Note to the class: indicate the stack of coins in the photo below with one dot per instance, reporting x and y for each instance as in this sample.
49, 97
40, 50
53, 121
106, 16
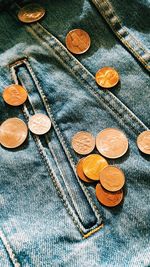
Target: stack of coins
109, 191
110, 143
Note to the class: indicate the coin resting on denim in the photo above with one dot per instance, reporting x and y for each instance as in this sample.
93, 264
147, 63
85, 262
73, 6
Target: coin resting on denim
52, 214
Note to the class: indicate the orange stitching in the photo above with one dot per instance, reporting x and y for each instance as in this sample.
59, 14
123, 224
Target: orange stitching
93, 231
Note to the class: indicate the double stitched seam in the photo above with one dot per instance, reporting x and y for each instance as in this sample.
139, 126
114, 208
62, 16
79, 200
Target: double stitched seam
9, 250
44, 157
18, 64
132, 44
53, 177
113, 104
43, 154
62, 141
63, 173
57, 164
107, 99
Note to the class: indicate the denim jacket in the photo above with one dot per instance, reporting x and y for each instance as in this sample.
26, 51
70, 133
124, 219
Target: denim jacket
48, 217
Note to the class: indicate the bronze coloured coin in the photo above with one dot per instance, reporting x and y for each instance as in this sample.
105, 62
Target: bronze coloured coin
112, 143
143, 142
107, 77
78, 41
93, 165
108, 199
83, 142
112, 178
13, 132
39, 124
80, 173
15, 95
31, 13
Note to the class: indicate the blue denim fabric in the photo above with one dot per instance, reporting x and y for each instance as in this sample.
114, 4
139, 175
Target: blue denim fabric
47, 216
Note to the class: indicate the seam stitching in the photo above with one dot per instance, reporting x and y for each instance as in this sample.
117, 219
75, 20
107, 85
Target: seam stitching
45, 159
53, 177
55, 44
103, 11
80, 227
81, 71
62, 141
11, 254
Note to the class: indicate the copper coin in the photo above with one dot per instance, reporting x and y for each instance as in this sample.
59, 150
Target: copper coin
78, 41
80, 173
39, 124
31, 13
112, 143
15, 95
107, 77
93, 165
112, 178
13, 132
143, 142
83, 142
109, 199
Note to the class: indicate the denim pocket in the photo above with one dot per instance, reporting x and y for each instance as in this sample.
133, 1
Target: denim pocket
56, 155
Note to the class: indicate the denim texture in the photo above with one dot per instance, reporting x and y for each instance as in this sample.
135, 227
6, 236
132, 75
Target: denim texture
48, 217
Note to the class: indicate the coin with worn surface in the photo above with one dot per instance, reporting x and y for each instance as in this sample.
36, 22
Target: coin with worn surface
31, 13
78, 41
13, 133
80, 173
93, 165
83, 142
143, 142
39, 124
107, 77
109, 199
112, 143
112, 178
15, 95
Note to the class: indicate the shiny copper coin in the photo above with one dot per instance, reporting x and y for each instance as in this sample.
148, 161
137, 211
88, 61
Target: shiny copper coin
112, 178
31, 13
143, 142
80, 173
112, 143
93, 165
39, 124
78, 41
107, 77
15, 95
108, 199
83, 142
13, 132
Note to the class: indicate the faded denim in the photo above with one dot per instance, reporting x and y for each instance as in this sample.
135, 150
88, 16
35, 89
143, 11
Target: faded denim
47, 216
